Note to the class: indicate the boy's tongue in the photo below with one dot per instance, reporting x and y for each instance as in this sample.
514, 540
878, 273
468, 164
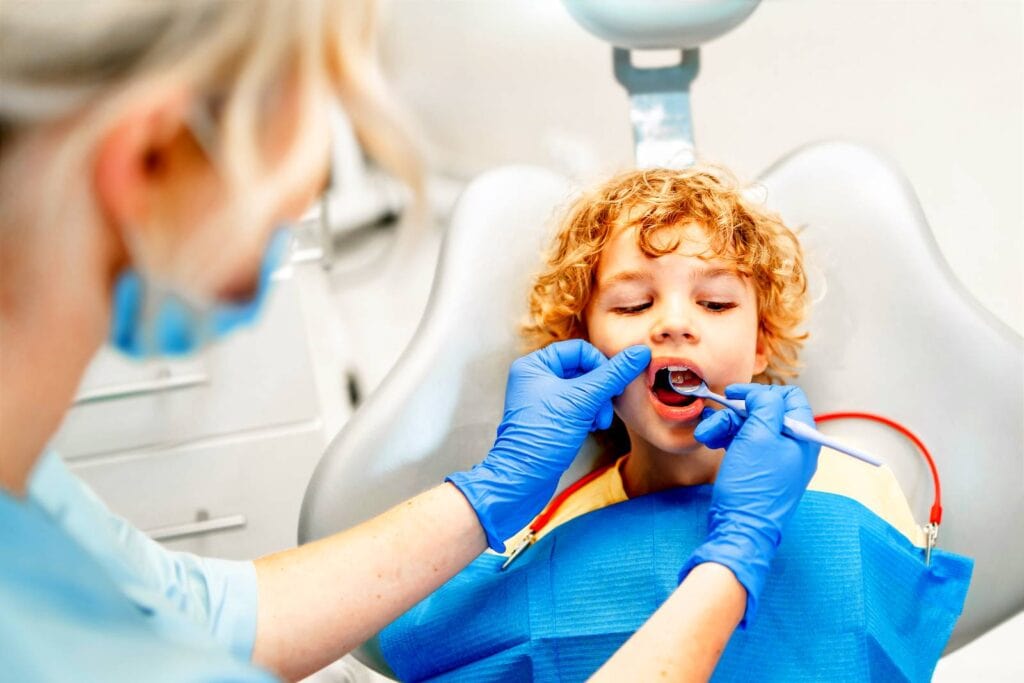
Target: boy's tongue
664, 392
670, 397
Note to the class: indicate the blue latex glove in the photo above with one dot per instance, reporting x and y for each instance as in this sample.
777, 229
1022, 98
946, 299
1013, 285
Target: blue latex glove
762, 478
555, 397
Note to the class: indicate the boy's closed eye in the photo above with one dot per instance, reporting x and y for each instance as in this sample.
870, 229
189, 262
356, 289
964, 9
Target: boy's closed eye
718, 306
710, 306
633, 308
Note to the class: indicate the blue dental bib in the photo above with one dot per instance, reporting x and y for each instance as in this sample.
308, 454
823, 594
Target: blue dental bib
849, 599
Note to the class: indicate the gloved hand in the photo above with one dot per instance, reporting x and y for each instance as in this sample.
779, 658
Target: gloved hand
760, 482
555, 397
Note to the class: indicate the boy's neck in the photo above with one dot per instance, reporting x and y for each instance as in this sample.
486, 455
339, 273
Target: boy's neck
648, 469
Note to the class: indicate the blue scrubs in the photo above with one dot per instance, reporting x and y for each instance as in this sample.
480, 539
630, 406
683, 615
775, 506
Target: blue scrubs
86, 596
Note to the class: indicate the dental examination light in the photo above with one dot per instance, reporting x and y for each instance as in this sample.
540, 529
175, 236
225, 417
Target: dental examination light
659, 98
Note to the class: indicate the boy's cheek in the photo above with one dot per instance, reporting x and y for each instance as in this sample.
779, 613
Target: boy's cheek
608, 347
611, 334
611, 344
734, 373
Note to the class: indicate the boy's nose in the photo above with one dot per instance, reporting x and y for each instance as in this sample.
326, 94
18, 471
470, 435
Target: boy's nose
676, 327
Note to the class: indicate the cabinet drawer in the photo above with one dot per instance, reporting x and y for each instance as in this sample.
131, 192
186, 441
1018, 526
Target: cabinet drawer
236, 498
260, 376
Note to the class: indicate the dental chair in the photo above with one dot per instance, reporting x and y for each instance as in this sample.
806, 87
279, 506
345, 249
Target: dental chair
892, 330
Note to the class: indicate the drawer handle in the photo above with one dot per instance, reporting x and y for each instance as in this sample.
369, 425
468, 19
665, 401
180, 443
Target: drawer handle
132, 389
206, 526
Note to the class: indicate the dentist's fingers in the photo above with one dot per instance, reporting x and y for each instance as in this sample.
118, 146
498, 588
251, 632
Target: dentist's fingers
717, 428
571, 358
604, 417
765, 408
797, 406
611, 378
741, 390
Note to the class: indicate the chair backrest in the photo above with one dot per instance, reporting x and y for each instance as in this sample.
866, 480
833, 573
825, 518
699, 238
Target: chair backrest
437, 410
895, 332
890, 330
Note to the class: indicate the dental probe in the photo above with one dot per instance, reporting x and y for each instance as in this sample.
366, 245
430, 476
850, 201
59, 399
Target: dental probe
791, 427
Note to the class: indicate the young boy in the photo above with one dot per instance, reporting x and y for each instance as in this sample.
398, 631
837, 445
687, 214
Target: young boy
683, 262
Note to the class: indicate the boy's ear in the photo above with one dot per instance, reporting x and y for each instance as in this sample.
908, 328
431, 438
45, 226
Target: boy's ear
760, 356
131, 162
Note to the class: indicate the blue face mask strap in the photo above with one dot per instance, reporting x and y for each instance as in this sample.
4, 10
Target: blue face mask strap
177, 328
126, 311
174, 328
229, 316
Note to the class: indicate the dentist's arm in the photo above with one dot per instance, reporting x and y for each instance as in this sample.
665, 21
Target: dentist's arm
321, 600
684, 639
762, 478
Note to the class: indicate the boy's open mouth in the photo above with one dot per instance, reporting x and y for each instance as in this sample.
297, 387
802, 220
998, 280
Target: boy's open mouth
662, 387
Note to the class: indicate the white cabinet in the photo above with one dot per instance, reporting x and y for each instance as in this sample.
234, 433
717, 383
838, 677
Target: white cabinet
237, 497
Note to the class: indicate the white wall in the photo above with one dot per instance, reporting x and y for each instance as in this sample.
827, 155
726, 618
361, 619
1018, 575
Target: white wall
934, 85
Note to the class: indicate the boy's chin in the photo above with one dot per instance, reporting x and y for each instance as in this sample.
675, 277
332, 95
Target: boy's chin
677, 441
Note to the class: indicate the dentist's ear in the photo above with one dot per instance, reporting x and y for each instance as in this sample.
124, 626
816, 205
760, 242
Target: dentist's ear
143, 160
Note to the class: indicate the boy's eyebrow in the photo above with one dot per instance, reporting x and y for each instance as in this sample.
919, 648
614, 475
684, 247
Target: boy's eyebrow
625, 276
642, 276
711, 273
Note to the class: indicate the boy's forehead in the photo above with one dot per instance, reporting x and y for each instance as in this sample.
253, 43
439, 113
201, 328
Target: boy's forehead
623, 259
689, 239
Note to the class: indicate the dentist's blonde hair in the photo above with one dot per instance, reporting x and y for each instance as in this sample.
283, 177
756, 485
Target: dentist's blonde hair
85, 60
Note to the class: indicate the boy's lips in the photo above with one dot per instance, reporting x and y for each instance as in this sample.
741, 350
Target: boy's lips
677, 414
672, 413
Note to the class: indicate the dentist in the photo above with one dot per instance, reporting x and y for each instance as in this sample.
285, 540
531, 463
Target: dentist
137, 140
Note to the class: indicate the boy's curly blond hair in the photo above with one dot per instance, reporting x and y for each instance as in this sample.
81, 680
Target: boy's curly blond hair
754, 240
